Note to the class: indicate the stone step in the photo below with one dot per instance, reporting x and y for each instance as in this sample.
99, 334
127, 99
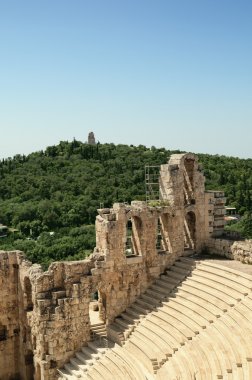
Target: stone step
156, 339
193, 321
96, 348
160, 289
168, 279
140, 309
72, 370
220, 278
182, 307
66, 375
115, 367
135, 314
228, 289
179, 336
150, 300
154, 325
154, 293
175, 275
203, 293
146, 340
88, 361
142, 345
184, 326
79, 365
129, 318
145, 304
190, 295
165, 284
90, 353
131, 361
243, 277
136, 351
185, 265
101, 370
116, 334
126, 325
179, 270
206, 286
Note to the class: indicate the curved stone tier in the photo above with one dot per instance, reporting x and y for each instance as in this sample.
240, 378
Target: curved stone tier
194, 322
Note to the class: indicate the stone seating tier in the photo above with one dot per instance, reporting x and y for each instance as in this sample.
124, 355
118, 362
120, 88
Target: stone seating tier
194, 322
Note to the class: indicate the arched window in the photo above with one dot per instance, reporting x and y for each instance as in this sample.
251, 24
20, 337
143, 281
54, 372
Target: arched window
164, 231
189, 231
133, 236
28, 294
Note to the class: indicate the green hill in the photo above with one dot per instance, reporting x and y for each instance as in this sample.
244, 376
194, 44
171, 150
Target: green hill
54, 194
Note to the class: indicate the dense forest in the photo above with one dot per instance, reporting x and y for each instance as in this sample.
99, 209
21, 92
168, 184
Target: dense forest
49, 198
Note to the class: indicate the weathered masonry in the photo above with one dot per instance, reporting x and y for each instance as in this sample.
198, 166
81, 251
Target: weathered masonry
44, 316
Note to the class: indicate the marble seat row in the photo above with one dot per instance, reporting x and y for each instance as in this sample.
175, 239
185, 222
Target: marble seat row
194, 322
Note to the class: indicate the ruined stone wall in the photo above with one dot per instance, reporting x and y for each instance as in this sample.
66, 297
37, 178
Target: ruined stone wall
126, 277
9, 321
16, 350
215, 213
60, 320
44, 316
234, 250
182, 186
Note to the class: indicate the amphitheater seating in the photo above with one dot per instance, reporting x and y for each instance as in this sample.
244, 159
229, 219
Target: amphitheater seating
194, 322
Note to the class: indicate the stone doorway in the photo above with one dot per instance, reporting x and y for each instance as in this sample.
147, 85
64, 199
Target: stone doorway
97, 308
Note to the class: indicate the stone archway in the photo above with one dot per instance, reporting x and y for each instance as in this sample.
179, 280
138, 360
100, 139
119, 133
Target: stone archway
133, 236
28, 304
190, 231
164, 233
188, 186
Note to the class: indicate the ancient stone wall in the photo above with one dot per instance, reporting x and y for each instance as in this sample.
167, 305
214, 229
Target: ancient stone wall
9, 321
16, 349
234, 250
182, 185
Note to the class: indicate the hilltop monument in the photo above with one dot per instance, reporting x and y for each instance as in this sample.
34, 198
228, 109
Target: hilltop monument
91, 138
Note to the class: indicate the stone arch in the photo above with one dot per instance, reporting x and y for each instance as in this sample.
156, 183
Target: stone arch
28, 304
164, 233
133, 236
29, 365
37, 372
190, 231
3, 332
188, 173
97, 304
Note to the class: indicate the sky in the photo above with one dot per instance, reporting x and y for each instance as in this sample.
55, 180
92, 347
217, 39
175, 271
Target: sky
173, 74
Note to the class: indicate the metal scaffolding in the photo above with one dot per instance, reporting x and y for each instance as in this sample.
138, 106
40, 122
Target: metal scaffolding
152, 182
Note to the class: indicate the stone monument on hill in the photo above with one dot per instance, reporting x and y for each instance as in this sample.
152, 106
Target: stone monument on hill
91, 138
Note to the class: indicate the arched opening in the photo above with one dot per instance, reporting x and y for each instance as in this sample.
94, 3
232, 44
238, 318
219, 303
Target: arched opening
3, 332
188, 187
97, 316
164, 230
97, 308
38, 372
128, 243
133, 237
29, 365
189, 231
28, 304
159, 237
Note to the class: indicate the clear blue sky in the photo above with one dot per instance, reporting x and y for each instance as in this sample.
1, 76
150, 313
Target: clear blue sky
174, 74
